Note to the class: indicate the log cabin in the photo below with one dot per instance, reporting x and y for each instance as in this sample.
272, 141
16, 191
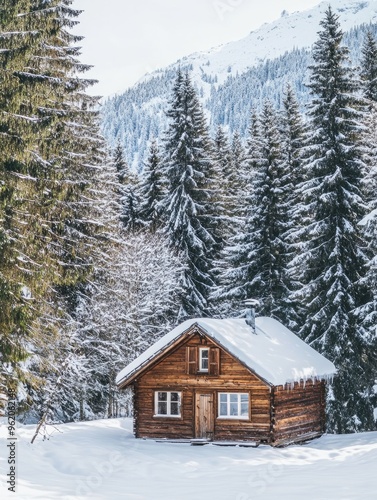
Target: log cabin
229, 380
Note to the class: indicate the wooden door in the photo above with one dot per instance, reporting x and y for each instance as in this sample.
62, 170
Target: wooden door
204, 418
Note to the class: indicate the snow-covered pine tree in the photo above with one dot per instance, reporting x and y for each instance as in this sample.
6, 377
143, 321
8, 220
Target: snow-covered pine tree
292, 133
367, 313
51, 158
187, 203
368, 76
253, 149
228, 203
222, 160
120, 165
268, 252
15, 140
131, 205
238, 180
128, 188
152, 188
253, 256
331, 260
369, 67
234, 268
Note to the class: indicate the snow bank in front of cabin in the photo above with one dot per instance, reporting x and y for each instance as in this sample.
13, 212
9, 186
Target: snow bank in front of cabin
101, 460
275, 353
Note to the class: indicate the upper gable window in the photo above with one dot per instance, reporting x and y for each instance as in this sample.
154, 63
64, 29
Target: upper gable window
203, 359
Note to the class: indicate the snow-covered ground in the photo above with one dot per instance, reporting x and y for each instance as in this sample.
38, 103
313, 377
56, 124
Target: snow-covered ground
102, 460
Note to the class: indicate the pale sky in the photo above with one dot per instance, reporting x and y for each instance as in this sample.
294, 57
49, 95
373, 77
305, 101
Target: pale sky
125, 39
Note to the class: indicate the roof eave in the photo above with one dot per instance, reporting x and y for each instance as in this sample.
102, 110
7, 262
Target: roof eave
126, 381
180, 338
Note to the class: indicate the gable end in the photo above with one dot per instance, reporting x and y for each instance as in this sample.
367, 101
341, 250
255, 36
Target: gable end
214, 366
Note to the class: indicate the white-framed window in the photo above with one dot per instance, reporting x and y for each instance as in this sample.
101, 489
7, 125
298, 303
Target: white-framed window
167, 404
203, 359
233, 405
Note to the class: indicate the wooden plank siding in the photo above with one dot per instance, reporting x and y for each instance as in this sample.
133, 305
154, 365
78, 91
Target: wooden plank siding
298, 411
176, 373
277, 415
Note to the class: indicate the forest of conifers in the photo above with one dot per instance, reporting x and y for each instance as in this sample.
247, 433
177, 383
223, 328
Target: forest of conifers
97, 262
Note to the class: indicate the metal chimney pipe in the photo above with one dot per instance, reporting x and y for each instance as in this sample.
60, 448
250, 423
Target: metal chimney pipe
250, 312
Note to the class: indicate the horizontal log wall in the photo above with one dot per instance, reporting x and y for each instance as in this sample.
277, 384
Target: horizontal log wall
298, 410
170, 374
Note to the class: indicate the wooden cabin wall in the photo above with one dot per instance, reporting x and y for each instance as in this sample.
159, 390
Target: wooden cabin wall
298, 411
171, 374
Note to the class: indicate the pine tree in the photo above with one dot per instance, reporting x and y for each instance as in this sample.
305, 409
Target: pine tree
268, 251
369, 86
15, 311
237, 180
222, 160
292, 139
253, 150
120, 164
252, 266
369, 67
51, 157
187, 166
367, 313
128, 189
331, 260
235, 269
152, 189
229, 204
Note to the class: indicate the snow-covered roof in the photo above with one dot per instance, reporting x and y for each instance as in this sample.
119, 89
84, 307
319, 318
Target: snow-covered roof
273, 352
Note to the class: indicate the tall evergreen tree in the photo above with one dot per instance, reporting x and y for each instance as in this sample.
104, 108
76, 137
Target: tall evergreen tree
367, 313
152, 189
120, 164
253, 257
369, 67
187, 167
235, 268
131, 205
237, 180
50, 158
225, 187
128, 192
253, 149
369, 86
292, 139
331, 260
16, 136
267, 283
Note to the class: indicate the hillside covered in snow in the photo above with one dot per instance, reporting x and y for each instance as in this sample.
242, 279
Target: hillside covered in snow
232, 78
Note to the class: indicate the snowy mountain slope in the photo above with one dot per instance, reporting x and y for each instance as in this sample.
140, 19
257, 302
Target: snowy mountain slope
230, 103
271, 40
233, 77
102, 460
